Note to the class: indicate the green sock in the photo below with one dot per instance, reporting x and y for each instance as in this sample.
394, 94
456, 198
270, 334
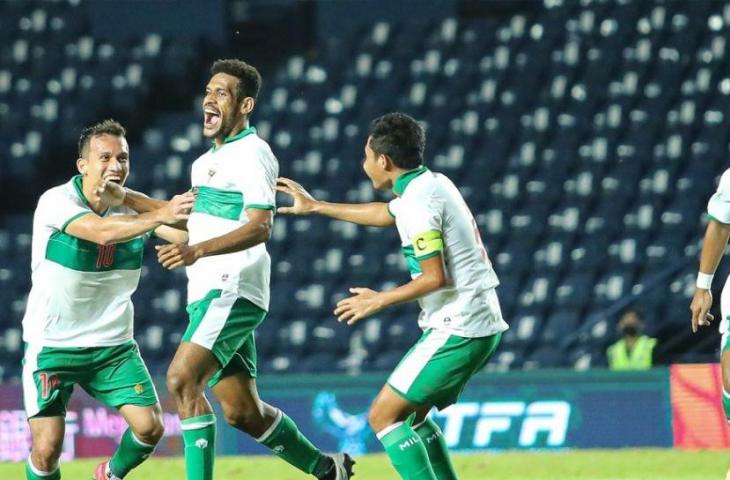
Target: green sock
406, 452
130, 453
438, 452
726, 404
199, 437
288, 443
32, 473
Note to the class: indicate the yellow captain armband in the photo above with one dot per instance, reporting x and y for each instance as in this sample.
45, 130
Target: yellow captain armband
427, 244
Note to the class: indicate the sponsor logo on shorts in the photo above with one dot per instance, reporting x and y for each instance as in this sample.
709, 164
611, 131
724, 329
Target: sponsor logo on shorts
278, 449
138, 389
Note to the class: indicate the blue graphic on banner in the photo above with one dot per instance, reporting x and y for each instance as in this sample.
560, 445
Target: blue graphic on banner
351, 431
520, 410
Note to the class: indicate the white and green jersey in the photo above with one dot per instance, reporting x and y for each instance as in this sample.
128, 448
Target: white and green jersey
239, 175
718, 209
433, 218
81, 293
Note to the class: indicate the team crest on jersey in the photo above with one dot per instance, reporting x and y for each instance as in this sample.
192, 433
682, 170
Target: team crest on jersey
138, 389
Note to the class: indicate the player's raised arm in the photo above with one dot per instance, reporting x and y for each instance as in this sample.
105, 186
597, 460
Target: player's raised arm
120, 228
374, 214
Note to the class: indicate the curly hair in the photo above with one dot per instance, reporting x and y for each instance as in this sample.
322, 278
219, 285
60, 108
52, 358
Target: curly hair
400, 137
249, 79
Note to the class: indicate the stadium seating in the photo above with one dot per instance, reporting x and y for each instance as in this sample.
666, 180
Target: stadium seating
586, 136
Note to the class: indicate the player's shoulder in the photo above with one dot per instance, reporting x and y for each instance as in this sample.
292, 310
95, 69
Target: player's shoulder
426, 185
63, 193
725, 177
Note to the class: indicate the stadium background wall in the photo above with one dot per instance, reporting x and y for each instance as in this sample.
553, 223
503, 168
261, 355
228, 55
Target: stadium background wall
664, 407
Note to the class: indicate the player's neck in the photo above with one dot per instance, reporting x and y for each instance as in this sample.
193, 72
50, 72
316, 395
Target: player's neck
220, 139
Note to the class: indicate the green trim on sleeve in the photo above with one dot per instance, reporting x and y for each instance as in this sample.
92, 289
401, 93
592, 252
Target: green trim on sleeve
390, 212
260, 206
427, 256
68, 222
710, 217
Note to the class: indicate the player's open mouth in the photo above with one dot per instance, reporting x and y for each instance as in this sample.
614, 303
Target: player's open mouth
113, 179
211, 118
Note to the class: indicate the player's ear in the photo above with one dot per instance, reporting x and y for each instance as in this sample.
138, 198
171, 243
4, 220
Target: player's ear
81, 165
247, 105
385, 162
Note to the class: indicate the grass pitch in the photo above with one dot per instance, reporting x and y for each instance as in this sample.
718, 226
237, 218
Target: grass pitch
633, 464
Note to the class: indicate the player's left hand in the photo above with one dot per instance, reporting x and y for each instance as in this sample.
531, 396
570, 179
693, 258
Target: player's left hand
363, 303
176, 255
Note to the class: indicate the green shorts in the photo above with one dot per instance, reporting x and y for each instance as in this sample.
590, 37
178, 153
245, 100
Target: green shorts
436, 369
115, 376
224, 323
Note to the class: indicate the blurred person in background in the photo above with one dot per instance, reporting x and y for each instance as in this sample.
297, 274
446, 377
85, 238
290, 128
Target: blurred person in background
634, 351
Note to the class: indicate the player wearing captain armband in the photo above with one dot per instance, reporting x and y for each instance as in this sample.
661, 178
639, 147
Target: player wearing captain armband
451, 278
716, 238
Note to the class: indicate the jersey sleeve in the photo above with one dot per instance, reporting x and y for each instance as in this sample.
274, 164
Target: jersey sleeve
57, 210
260, 182
422, 223
718, 208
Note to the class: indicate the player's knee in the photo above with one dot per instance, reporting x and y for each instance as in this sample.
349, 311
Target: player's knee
178, 382
150, 432
377, 420
46, 454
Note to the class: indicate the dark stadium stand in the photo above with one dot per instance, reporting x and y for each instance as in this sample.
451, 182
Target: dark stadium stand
585, 135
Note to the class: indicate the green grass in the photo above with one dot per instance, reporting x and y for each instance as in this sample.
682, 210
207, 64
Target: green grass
634, 464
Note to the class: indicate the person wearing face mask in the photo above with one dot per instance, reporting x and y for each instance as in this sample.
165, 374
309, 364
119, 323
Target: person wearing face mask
633, 351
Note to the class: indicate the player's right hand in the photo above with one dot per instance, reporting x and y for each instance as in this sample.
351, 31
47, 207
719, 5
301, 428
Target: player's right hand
303, 202
178, 208
700, 308
112, 194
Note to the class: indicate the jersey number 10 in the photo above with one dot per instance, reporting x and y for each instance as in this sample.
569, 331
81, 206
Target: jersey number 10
105, 257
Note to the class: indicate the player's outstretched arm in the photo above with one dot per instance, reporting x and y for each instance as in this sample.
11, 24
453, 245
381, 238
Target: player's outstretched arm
374, 214
716, 238
366, 302
114, 195
257, 230
120, 228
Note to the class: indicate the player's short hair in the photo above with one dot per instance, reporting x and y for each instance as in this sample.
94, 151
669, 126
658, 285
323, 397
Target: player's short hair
249, 79
109, 126
400, 137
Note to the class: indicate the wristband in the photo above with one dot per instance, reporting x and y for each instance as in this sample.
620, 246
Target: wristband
704, 280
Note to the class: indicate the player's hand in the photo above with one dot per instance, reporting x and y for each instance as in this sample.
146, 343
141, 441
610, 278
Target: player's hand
112, 194
363, 303
700, 308
178, 208
303, 202
176, 255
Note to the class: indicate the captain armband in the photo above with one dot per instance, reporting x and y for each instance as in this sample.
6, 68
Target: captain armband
427, 244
